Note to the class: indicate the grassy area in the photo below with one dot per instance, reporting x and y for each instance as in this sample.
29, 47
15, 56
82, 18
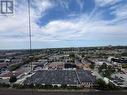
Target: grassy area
124, 65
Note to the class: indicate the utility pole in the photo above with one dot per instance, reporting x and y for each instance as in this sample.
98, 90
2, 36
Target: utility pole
29, 30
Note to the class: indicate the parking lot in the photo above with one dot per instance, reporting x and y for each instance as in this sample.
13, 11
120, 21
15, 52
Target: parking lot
63, 77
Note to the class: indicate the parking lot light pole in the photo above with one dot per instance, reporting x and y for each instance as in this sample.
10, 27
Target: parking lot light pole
29, 30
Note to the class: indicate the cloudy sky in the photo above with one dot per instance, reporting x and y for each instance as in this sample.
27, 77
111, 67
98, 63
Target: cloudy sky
65, 23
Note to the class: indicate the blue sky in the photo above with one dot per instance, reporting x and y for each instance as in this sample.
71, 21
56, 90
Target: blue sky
65, 23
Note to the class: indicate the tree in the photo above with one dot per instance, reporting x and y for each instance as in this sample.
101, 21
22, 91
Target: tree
100, 84
14, 67
92, 65
12, 79
103, 86
103, 66
72, 55
106, 71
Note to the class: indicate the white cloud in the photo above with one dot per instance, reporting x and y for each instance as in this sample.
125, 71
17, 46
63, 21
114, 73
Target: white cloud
65, 4
105, 2
120, 11
80, 29
17, 24
80, 2
84, 27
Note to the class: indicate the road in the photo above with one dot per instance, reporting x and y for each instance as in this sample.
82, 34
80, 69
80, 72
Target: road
47, 92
